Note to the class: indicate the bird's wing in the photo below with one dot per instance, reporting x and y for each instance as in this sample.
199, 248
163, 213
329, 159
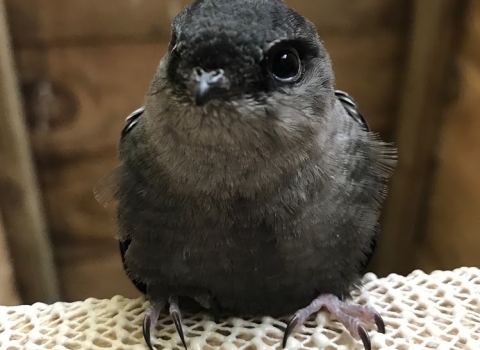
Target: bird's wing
105, 192
132, 120
106, 189
141, 287
352, 109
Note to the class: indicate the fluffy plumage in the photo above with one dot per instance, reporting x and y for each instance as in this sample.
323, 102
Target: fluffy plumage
266, 196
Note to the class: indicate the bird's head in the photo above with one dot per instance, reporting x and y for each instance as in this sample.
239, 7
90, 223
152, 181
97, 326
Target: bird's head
254, 63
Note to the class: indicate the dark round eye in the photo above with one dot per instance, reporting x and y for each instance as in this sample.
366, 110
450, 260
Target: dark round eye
285, 65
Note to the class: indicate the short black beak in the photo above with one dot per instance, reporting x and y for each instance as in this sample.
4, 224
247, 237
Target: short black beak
209, 85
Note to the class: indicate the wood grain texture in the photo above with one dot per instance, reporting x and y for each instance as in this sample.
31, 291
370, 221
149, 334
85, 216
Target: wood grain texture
78, 98
20, 202
8, 292
92, 268
453, 232
372, 76
65, 22
422, 105
75, 145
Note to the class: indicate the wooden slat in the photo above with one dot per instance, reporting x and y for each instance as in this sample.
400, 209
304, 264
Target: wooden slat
92, 269
89, 92
8, 292
40, 22
452, 236
427, 81
19, 197
63, 22
372, 76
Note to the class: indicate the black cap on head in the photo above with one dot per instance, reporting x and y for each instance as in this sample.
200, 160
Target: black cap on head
235, 38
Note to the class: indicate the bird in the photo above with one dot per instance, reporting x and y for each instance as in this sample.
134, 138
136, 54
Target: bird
249, 185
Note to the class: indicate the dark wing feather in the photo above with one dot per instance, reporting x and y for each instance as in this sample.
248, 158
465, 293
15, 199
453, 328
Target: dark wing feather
131, 120
352, 109
105, 192
142, 287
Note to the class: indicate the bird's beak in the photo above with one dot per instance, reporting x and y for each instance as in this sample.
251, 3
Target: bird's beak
208, 85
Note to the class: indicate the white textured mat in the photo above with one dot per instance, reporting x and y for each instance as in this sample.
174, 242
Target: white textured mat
436, 311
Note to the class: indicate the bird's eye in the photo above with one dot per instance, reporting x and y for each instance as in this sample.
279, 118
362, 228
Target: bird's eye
285, 65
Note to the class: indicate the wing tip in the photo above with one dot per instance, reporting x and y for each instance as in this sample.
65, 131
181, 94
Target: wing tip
351, 107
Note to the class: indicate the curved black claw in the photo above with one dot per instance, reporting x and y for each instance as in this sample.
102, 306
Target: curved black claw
365, 337
177, 319
379, 322
290, 327
147, 324
174, 311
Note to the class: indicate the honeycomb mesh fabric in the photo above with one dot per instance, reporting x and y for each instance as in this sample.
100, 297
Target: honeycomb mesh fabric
436, 311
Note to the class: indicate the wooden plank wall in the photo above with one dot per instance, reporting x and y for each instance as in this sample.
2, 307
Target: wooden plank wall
8, 293
24, 223
452, 236
85, 64
429, 82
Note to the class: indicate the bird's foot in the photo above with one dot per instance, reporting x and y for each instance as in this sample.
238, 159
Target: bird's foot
153, 313
350, 316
